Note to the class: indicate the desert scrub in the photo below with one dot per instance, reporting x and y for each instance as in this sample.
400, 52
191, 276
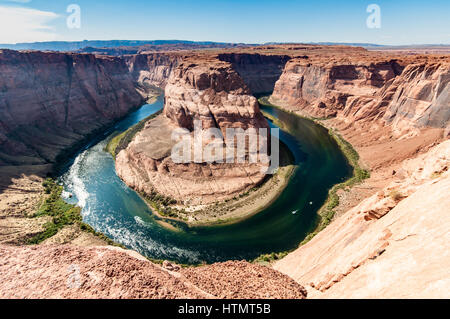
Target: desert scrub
121, 140
270, 257
161, 204
396, 195
113, 143
437, 174
61, 213
264, 100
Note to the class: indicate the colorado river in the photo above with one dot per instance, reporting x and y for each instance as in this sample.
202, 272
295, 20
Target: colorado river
112, 208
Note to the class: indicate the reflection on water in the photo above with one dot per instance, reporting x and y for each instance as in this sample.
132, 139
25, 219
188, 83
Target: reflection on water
110, 207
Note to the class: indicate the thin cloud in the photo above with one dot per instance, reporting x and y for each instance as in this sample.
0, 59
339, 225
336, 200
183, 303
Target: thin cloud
18, 1
19, 24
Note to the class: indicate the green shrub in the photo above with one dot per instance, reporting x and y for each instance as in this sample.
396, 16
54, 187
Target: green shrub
121, 141
61, 213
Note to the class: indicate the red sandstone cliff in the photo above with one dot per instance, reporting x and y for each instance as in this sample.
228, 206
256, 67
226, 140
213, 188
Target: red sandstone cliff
213, 92
259, 71
404, 95
421, 98
390, 238
393, 244
51, 101
323, 90
153, 69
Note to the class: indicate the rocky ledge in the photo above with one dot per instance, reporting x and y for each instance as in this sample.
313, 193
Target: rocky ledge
106, 272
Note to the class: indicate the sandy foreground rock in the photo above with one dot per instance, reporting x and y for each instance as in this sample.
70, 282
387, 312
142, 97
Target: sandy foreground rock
394, 244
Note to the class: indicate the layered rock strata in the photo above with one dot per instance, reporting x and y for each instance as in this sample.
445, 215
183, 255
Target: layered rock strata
153, 69
406, 95
389, 239
392, 244
259, 71
324, 90
421, 98
50, 101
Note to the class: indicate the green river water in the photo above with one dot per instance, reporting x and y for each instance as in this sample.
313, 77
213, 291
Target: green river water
112, 208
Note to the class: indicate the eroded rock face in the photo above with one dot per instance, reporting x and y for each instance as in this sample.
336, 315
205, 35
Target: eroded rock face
392, 244
153, 69
259, 71
406, 95
213, 93
421, 98
51, 101
323, 90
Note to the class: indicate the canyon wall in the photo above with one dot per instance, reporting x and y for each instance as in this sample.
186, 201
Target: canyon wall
421, 98
153, 69
392, 244
388, 238
259, 71
75, 94
323, 90
405, 95
51, 101
211, 92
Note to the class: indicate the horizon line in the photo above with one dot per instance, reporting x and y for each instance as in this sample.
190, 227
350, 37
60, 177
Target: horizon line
237, 43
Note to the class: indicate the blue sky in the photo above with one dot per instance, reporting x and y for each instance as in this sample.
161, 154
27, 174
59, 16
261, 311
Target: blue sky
402, 22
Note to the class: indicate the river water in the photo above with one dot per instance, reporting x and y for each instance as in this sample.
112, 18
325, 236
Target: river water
112, 208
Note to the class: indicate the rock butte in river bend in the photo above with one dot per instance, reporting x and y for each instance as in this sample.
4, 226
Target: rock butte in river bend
394, 108
214, 94
359, 88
